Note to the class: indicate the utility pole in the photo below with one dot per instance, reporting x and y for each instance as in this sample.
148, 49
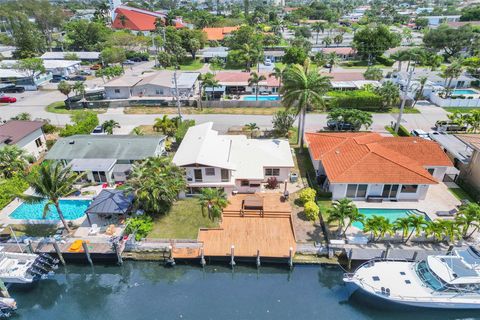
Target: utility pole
402, 106
177, 95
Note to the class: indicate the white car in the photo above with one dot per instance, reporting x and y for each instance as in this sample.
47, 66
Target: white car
98, 131
267, 62
420, 133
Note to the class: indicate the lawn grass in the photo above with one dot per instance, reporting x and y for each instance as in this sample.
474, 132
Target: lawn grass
182, 221
148, 130
190, 110
405, 110
60, 108
33, 230
189, 65
460, 194
324, 204
460, 109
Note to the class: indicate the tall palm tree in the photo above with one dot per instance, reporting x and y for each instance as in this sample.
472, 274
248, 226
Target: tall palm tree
390, 94
318, 27
214, 200
327, 41
277, 73
254, 81
435, 229
453, 71
109, 125
404, 225
251, 127
345, 212
417, 224
13, 160
473, 120
450, 230
332, 59
51, 182
209, 81
165, 125
249, 55
373, 225
419, 93
303, 88
468, 217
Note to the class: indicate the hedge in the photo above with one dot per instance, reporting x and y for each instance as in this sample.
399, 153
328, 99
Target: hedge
9, 188
357, 99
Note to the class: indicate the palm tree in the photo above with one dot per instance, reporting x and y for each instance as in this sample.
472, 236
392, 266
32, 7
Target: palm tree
79, 88
435, 229
277, 73
404, 225
303, 88
473, 120
138, 131
453, 71
51, 182
389, 93
373, 225
344, 210
450, 230
109, 125
338, 39
209, 81
166, 125
327, 41
214, 200
468, 217
417, 224
254, 81
317, 27
24, 116
249, 55
332, 59
65, 88
13, 160
251, 127
123, 20
419, 93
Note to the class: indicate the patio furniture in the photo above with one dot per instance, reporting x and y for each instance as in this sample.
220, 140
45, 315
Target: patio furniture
374, 199
450, 213
94, 230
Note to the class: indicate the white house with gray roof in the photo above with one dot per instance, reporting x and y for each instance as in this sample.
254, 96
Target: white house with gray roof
105, 158
232, 162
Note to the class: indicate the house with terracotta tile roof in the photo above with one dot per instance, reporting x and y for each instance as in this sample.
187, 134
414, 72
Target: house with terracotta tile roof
140, 20
218, 34
363, 165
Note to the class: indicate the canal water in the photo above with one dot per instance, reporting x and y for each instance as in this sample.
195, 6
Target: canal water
147, 290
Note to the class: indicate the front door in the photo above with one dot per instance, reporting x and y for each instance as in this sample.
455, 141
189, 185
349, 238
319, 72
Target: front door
390, 191
197, 173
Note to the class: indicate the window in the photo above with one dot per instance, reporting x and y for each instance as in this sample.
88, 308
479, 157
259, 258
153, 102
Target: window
431, 170
209, 171
38, 142
225, 175
99, 176
357, 190
409, 188
159, 91
269, 172
117, 90
245, 183
197, 173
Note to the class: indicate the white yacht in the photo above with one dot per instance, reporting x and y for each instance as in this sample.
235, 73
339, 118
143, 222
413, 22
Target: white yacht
443, 281
24, 267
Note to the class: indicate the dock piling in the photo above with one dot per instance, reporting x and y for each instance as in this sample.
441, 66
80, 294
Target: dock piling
29, 246
58, 251
387, 251
87, 253
258, 259
232, 255
290, 258
117, 252
170, 261
202, 258
349, 259
450, 249
415, 254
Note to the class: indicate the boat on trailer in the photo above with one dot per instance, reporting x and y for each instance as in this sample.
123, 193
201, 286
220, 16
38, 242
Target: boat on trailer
449, 281
25, 268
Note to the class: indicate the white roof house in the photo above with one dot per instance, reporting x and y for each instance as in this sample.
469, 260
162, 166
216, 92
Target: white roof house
246, 159
81, 55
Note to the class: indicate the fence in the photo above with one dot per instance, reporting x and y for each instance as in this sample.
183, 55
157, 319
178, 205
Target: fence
242, 104
469, 102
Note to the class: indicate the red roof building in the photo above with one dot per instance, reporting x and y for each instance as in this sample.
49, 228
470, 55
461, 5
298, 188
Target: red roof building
218, 34
359, 165
138, 19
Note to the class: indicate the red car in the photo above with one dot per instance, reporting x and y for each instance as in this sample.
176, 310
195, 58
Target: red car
6, 99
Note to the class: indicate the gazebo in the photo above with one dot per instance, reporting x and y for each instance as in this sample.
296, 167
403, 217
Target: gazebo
110, 203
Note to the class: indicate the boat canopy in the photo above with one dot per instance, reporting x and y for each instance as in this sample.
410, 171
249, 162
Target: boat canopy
453, 270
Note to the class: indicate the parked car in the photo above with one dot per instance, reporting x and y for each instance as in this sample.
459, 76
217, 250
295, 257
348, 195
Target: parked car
128, 62
267, 62
98, 131
13, 89
339, 125
446, 126
7, 99
85, 72
136, 59
420, 133
77, 78
96, 67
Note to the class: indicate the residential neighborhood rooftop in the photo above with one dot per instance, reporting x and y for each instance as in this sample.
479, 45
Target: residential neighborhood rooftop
82, 55
15, 130
217, 34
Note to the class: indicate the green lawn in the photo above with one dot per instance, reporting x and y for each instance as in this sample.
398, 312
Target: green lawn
189, 65
459, 109
405, 110
324, 204
460, 194
59, 107
182, 222
33, 230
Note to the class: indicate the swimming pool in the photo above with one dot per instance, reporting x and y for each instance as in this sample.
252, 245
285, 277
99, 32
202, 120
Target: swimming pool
464, 91
261, 98
71, 209
390, 214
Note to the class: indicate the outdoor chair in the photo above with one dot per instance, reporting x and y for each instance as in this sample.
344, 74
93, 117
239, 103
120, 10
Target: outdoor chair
94, 230
450, 213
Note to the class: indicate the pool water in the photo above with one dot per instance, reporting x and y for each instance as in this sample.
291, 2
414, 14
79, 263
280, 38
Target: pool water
71, 209
464, 91
390, 214
261, 98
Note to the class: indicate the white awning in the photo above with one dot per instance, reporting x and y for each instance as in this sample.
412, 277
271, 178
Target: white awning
82, 165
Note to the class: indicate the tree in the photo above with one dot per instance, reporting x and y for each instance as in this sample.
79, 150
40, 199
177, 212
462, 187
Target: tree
372, 41
303, 32
473, 121
450, 230
113, 55
109, 125
138, 131
344, 210
294, 55
24, 116
283, 121
453, 71
47, 17
332, 60
78, 88
251, 127
318, 27
83, 123
208, 81
192, 40
338, 39
421, 22
165, 125
417, 224
249, 55
65, 88
254, 81
378, 226
156, 183
450, 40
373, 73
277, 73
419, 93
404, 225
470, 13
468, 218
214, 200
83, 35
32, 67
327, 41
13, 161
357, 118
303, 88
389, 93
28, 41
51, 182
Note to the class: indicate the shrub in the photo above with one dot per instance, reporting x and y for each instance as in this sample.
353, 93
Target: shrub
84, 123
311, 210
140, 226
272, 183
403, 132
9, 188
307, 195
385, 61
357, 99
